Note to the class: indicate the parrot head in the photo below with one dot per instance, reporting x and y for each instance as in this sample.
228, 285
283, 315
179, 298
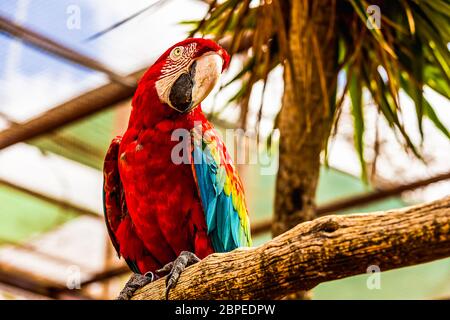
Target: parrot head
185, 74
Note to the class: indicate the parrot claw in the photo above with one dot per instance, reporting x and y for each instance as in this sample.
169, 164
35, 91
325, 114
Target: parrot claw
167, 268
175, 268
136, 281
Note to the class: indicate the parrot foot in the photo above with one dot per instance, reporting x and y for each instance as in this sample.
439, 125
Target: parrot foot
175, 268
136, 281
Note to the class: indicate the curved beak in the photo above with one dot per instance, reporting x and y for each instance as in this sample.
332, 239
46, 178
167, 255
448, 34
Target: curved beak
192, 87
207, 73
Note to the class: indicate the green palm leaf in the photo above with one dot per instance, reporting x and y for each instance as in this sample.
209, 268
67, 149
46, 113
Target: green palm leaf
409, 51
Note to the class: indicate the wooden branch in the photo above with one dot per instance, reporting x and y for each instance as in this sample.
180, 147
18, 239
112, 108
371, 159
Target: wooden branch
327, 248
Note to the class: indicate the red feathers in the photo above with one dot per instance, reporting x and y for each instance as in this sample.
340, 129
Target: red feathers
152, 207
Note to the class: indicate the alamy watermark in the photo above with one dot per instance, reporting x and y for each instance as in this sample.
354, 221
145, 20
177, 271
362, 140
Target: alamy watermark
373, 282
374, 17
73, 21
242, 148
73, 277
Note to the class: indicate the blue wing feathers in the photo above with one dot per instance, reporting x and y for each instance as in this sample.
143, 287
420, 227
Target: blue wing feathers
235, 228
222, 219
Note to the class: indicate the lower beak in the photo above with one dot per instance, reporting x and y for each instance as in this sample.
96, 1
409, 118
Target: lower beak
191, 88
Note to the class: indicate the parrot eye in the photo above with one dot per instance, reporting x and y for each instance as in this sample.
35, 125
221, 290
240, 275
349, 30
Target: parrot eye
176, 53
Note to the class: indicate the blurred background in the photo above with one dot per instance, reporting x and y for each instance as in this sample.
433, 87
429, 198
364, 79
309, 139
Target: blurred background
60, 108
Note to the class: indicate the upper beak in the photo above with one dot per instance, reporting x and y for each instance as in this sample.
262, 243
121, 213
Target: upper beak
207, 72
193, 86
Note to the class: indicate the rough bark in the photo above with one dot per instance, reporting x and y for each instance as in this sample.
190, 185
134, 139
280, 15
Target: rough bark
327, 248
305, 118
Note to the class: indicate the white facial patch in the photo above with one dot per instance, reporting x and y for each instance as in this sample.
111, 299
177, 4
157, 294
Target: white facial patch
177, 63
163, 86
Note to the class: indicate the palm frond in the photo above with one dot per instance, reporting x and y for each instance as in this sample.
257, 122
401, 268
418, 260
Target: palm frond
408, 53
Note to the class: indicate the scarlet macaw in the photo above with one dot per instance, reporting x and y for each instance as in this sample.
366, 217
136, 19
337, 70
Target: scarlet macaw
163, 215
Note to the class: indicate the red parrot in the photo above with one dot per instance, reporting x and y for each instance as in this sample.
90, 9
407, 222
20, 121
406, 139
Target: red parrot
169, 203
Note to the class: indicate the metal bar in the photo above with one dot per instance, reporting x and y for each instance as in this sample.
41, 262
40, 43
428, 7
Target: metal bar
107, 274
102, 276
78, 108
68, 112
155, 5
20, 292
61, 203
377, 195
358, 200
31, 284
41, 42
62, 141
35, 251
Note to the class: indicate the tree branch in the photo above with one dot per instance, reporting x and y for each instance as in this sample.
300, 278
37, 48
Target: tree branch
327, 248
